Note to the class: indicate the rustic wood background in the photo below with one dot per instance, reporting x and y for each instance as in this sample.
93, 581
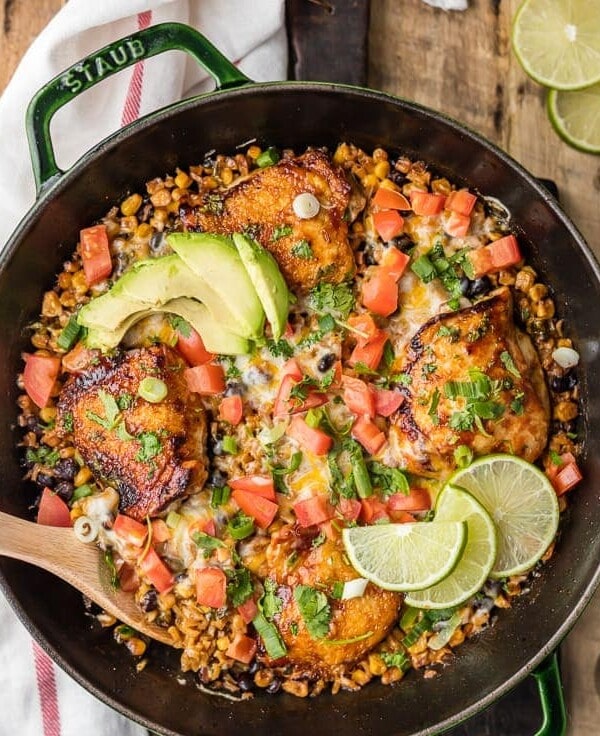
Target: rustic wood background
461, 64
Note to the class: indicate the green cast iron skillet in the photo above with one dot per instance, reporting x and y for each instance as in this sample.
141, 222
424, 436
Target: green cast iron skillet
292, 115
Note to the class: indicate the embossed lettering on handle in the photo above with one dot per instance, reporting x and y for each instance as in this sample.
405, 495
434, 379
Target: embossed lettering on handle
105, 62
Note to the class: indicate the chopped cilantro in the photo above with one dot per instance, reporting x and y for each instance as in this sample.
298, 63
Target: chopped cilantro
294, 628
388, 355
337, 590
239, 585
68, 422
150, 446
206, 543
428, 369
335, 299
231, 370
388, 480
396, 659
452, 333
213, 203
433, 407
404, 379
43, 455
280, 348
555, 458
125, 401
281, 232
509, 364
302, 249
270, 603
180, 325
111, 411
314, 609
318, 540
516, 405
326, 323
462, 421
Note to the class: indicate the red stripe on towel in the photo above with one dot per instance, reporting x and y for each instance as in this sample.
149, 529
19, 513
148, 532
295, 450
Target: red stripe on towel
131, 110
46, 684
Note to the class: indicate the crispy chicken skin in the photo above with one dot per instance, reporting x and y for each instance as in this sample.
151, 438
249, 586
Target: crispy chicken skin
262, 205
376, 611
163, 458
450, 347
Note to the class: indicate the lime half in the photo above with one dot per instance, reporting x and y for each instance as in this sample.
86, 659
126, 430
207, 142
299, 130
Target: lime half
474, 567
522, 504
405, 557
576, 117
558, 42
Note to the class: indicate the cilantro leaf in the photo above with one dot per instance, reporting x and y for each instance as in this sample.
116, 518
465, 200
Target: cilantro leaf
150, 446
388, 480
239, 586
302, 249
281, 232
206, 543
396, 659
270, 603
280, 348
314, 609
335, 299
509, 363
180, 325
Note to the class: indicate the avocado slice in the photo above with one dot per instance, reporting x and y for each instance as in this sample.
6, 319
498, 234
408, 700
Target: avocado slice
149, 284
215, 259
267, 279
217, 338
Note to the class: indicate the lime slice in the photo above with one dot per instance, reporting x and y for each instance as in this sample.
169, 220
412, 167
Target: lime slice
522, 503
408, 556
473, 569
576, 117
558, 42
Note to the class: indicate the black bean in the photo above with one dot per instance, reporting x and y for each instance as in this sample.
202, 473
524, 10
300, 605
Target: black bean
563, 383
234, 388
403, 243
157, 241
34, 426
326, 362
149, 601
398, 177
368, 257
64, 489
245, 682
66, 469
464, 285
254, 667
45, 481
274, 687
479, 287
217, 478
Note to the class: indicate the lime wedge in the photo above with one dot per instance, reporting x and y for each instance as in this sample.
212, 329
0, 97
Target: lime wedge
522, 503
408, 556
558, 42
576, 117
473, 569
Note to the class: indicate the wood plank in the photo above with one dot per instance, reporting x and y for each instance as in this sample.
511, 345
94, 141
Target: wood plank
462, 64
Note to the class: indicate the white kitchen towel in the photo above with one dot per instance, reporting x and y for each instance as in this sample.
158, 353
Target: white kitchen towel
36, 697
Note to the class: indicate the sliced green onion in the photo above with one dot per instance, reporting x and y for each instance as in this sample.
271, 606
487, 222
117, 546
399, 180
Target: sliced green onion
442, 637
240, 526
152, 389
463, 456
409, 617
424, 269
270, 635
268, 158
268, 436
230, 445
337, 590
173, 519
360, 474
220, 495
417, 630
82, 492
70, 333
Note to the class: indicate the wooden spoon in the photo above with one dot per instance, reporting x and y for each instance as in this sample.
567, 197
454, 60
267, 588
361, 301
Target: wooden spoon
58, 551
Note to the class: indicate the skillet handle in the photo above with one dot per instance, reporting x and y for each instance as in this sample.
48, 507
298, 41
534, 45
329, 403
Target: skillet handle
549, 684
104, 63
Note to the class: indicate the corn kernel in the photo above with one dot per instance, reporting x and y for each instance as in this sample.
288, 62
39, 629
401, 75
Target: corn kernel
537, 292
545, 309
254, 152
525, 279
382, 169
161, 198
51, 306
143, 231
48, 414
389, 184
209, 183
227, 176
131, 205
369, 181
129, 224
182, 180
79, 282
376, 664
83, 476
566, 411
64, 280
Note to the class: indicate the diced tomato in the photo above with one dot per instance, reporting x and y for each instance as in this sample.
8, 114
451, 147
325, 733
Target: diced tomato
330, 529
95, 254
284, 405
128, 578
552, 468
156, 571
41, 371
289, 331
370, 353
291, 368
394, 261
568, 477
191, 347
401, 517
368, 434
365, 324
160, 531
53, 510
261, 509
313, 510
417, 500
211, 587
388, 223
78, 359
261, 485
242, 649
312, 439
130, 530
424, 203
372, 509
207, 526
496, 256
248, 610
457, 225
207, 379
380, 292
359, 397
461, 201
387, 402
389, 199
231, 409
350, 508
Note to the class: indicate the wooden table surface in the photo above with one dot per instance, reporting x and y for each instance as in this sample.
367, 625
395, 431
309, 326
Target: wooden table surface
460, 64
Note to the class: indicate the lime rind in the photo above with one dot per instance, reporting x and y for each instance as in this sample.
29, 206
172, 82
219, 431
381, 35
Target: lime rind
477, 560
405, 557
522, 503
557, 42
575, 116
